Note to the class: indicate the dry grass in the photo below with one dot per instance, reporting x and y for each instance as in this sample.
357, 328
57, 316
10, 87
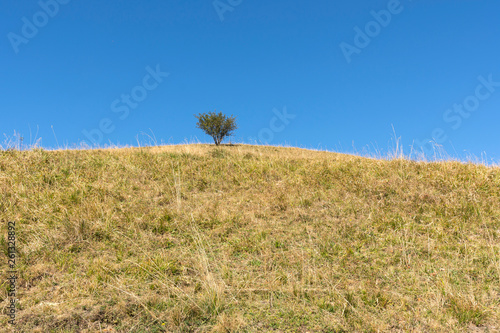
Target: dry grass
192, 238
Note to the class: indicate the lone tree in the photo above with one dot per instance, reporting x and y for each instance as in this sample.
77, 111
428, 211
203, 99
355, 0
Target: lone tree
217, 125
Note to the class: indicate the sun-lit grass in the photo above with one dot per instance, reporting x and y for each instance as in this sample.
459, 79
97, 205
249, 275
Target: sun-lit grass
194, 238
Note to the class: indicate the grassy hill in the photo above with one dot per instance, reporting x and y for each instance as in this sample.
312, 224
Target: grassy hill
254, 239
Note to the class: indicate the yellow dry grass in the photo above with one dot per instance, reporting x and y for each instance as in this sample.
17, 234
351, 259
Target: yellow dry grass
194, 238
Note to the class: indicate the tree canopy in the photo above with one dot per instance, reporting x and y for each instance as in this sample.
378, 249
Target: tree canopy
217, 125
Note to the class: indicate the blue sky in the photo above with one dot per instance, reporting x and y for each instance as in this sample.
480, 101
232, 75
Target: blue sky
314, 74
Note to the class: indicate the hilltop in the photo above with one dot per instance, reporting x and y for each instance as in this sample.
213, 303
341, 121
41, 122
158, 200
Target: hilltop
194, 238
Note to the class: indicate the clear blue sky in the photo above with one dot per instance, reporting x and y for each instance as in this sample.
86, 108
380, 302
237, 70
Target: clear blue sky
344, 74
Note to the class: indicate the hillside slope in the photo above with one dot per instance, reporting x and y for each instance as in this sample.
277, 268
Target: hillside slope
255, 239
